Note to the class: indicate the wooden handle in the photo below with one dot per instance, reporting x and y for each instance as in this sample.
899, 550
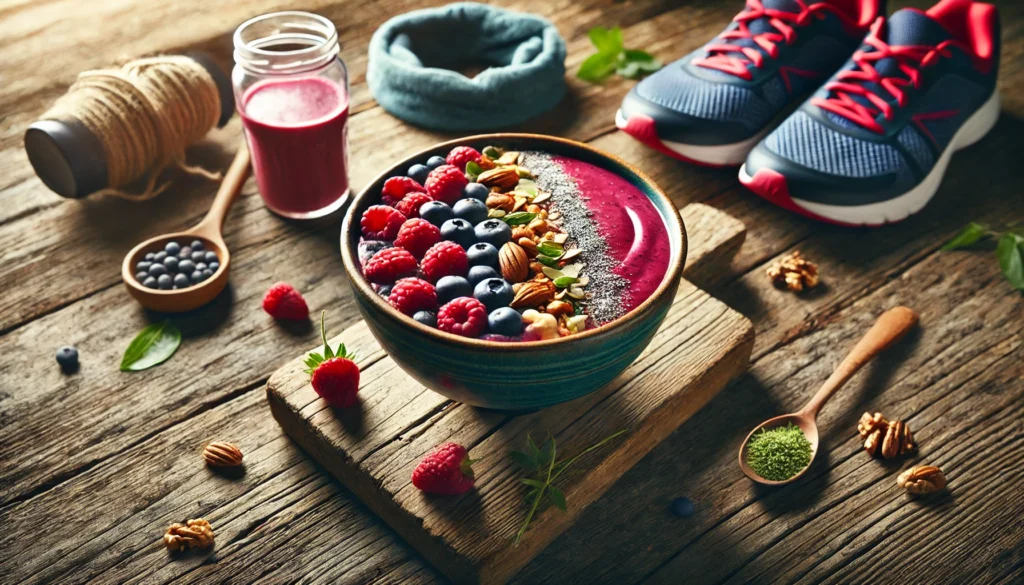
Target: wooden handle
890, 327
229, 188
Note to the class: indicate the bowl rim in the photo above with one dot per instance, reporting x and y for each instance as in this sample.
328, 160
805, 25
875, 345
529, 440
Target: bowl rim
672, 277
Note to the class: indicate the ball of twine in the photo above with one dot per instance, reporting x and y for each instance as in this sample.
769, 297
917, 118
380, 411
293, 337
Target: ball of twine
144, 114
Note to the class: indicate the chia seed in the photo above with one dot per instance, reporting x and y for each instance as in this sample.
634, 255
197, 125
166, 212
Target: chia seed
607, 292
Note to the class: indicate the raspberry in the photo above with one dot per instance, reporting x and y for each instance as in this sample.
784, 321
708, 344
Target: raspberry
396, 188
444, 259
282, 301
410, 206
389, 265
460, 156
381, 222
417, 236
446, 471
413, 294
445, 184
463, 316
336, 380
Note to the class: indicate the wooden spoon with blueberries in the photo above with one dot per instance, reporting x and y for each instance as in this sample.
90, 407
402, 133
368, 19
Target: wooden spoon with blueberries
182, 271
890, 327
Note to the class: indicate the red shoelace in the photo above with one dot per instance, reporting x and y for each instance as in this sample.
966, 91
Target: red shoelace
785, 24
909, 60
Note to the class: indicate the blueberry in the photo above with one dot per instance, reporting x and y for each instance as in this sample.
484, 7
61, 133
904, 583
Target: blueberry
142, 266
210, 257
478, 273
494, 232
472, 210
164, 282
157, 269
149, 257
682, 507
459, 231
172, 248
419, 173
476, 191
453, 287
159, 256
186, 253
186, 266
196, 245
494, 293
505, 321
213, 266
181, 281
436, 212
150, 282
67, 357
483, 254
201, 266
197, 277
428, 318
368, 248
198, 256
207, 273
142, 275
434, 162
384, 291
171, 263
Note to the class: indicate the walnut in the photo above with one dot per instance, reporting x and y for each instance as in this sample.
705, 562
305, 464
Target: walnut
883, 438
922, 479
793, 272
193, 534
220, 454
868, 423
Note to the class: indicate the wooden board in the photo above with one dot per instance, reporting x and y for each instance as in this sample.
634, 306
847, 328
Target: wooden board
372, 449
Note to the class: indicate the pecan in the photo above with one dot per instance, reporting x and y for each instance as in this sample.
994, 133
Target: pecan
559, 308
897, 440
220, 454
514, 264
486, 163
519, 232
922, 479
528, 246
884, 438
500, 201
793, 272
533, 294
193, 534
504, 178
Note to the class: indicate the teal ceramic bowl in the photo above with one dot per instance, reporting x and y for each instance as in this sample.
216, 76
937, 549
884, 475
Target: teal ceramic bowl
509, 375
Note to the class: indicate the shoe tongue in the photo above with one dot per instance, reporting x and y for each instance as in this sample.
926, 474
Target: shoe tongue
912, 27
762, 25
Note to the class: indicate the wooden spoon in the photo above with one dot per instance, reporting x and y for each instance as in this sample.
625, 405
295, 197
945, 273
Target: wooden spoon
890, 327
208, 231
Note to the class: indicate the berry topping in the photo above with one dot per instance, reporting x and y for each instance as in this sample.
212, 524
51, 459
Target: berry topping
67, 357
464, 316
476, 191
396, 188
460, 156
445, 183
483, 254
472, 210
428, 318
333, 374
388, 265
479, 273
282, 301
410, 295
459, 231
444, 259
494, 232
505, 321
447, 470
367, 248
410, 206
417, 236
434, 162
436, 212
494, 293
418, 173
381, 222
453, 287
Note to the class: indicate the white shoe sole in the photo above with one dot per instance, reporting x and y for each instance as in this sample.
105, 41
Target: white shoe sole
719, 155
909, 203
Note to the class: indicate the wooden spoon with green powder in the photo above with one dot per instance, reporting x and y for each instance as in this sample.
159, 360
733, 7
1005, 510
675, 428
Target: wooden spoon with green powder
781, 449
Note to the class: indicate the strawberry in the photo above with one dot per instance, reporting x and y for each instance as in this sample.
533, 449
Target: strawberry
333, 374
447, 470
282, 301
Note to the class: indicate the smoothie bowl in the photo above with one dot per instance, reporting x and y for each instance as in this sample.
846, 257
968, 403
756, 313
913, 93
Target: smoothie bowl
513, 271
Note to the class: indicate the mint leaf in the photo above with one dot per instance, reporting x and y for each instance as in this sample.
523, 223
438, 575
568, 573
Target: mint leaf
1010, 260
612, 57
597, 67
971, 234
523, 460
634, 55
557, 497
607, 41
152, 346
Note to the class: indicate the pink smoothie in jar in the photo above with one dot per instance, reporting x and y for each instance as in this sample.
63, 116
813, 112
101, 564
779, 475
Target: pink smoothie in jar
297, 133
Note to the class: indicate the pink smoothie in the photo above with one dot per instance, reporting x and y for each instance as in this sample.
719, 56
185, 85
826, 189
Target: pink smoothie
297, 135
630, 224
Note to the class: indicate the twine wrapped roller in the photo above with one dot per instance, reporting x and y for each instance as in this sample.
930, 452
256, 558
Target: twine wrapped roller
144, 115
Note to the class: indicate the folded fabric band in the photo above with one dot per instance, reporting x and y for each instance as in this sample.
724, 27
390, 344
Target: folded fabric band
413, 57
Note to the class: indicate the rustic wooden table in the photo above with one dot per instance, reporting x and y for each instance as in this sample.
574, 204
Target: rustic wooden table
94, 466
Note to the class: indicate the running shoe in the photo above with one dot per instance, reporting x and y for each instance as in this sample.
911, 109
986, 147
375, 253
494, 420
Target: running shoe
712, 106
872, 145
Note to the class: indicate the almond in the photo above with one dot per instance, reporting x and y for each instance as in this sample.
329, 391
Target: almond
500, 201
533, 294
514, 264
504, 178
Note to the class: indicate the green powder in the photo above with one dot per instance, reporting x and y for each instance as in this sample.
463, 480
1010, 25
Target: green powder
780, 453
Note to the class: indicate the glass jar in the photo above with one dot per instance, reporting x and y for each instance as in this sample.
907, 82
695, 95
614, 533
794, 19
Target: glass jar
291, 91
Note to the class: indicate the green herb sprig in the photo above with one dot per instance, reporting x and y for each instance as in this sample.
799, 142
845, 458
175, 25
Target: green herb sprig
315, 359
1009, 248
152, 346
611, 57
543, 468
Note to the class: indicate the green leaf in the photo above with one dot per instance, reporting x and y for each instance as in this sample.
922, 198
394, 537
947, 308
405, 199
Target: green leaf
1010, 259
152, 346
519, 218
523, 460
534, 449
557, 497
548, 261
608, 41
597, 67
547, 451
565, 281
971, 234
533, 483
629, 70
636, 55
473, 169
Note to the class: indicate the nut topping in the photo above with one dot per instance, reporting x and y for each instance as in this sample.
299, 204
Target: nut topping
504, 178
514, 264
500, 201
193, 534
884, 438
220, 454
533, 294
922, 479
